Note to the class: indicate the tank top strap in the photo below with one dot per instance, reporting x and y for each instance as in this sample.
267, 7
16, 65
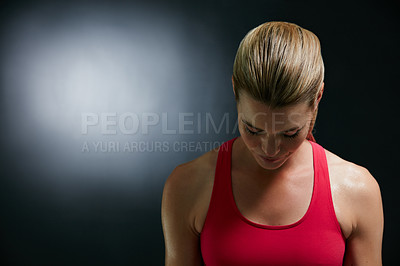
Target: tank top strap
323, 185
221, 193
223, 166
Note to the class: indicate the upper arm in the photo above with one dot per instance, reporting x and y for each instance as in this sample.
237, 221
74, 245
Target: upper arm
364, 245
182, 242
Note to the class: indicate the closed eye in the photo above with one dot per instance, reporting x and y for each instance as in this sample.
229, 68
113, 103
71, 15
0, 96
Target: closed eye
292, 136
287, 134
251, 132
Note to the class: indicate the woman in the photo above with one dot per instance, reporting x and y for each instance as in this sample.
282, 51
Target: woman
273, 196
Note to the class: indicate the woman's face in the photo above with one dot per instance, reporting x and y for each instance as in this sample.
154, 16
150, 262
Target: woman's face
272, 135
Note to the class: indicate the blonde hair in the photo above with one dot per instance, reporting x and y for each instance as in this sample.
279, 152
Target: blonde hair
279, 64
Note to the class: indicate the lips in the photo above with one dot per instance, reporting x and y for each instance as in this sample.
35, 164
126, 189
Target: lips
269, 159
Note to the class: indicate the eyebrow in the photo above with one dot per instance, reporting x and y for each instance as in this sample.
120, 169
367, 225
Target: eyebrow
259, 129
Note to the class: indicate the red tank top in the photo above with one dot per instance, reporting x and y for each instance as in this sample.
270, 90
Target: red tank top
228, 238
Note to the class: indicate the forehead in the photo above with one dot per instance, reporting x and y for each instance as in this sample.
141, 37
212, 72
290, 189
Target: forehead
261, 115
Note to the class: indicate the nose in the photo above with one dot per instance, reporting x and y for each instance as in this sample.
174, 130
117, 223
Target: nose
270, 146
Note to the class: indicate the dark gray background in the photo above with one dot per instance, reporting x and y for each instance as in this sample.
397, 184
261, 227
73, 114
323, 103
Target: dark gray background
59, 59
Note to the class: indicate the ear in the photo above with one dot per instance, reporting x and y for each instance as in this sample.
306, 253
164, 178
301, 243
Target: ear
321, 91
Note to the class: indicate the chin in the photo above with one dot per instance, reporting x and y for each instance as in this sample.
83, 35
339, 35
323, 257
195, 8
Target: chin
270, 165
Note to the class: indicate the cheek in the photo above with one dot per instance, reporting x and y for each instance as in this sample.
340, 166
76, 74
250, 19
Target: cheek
250, 141
292, 145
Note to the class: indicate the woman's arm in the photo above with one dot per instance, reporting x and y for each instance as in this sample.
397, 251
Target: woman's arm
182, 242
364, 245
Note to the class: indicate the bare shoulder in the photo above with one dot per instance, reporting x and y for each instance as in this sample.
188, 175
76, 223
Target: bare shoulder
192, 175
352, 177
188, 187
182, 196
355, 193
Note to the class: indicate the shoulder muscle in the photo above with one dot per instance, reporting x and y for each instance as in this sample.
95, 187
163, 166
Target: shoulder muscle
181, 194
360, 193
